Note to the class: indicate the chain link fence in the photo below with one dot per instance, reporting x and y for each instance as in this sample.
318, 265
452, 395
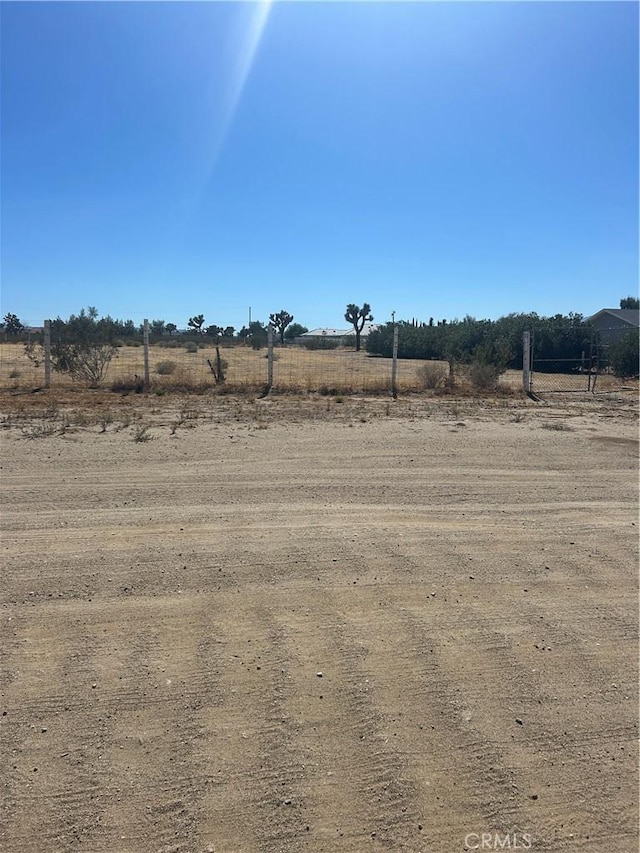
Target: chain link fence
592, 372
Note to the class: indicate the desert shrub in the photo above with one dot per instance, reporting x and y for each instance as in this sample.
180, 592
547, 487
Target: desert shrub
483, 376
85, 361
166, 368
105, 419
133, 344
191, 346
558, 426
82, 347
141, 433
432, 375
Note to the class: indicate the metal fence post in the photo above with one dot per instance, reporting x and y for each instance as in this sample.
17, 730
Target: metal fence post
526, 362
145, 339
46, 343
394, 363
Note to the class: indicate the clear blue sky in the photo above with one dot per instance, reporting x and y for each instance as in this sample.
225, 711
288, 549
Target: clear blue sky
437, 159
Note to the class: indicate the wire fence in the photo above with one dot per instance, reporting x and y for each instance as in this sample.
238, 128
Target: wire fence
564, 375
292, 368
593, 372
198, 365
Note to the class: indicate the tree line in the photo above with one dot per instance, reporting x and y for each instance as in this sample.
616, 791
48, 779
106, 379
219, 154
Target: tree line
109, 330
559, 343
113, 330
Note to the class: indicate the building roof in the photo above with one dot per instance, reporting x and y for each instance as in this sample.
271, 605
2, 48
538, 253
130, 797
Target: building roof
339, 333
326, 333
627, 316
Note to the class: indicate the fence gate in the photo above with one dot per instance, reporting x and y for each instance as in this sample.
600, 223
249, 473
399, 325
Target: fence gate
564, 375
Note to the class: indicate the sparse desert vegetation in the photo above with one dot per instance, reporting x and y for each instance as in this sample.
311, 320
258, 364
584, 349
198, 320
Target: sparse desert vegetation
296, 369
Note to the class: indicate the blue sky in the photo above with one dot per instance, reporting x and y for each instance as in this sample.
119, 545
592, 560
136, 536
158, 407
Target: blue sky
437, 159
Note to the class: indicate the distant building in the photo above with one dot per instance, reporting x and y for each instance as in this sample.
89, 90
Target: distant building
342, 337
614, 323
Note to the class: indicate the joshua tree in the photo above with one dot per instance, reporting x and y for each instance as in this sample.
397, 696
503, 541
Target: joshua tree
196, 323
215, 331
280, 321
12, 324
358, 317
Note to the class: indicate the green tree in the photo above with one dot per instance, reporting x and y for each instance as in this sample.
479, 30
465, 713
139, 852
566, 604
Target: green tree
229, 332
358, 317
196, 323
157, 327
630, 302
294, 331
280, 321
257, 334
171, 328
12, 324
497, 342
625, 355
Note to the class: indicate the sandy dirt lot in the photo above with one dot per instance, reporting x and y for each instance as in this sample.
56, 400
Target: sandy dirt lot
316, 625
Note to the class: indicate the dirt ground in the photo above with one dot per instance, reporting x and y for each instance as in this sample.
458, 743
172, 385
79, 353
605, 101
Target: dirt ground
240, 625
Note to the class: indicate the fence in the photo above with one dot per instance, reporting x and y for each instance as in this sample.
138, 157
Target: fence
592, 372
192, 364
195, 364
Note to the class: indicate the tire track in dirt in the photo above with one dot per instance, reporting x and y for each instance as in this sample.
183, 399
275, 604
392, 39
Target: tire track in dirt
55, 800
338, 582
426, 713
260, 801
499, 660
358, 784
482, 659
158, 745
